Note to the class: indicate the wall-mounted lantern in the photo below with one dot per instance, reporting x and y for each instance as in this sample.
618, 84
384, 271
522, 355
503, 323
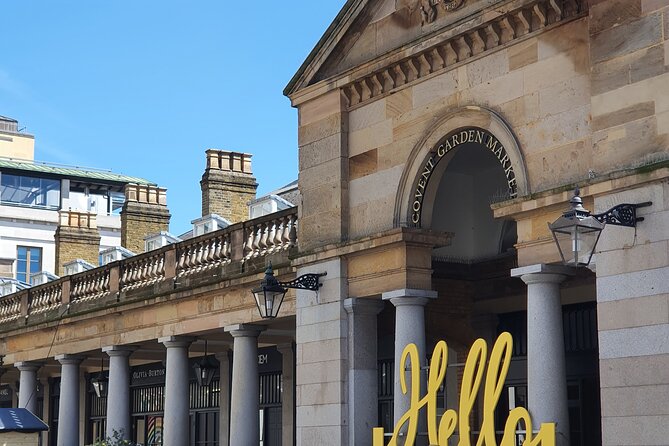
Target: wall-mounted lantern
577, 232
269, 295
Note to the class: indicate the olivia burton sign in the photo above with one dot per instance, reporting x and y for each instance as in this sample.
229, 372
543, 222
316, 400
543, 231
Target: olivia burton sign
455, 139
439, 433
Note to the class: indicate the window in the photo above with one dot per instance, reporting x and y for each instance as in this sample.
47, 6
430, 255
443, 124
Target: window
28, 261
30, 191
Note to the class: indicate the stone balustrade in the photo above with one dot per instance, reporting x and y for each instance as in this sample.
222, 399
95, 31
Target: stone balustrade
45, 298
241, 242
10, 308
142, 270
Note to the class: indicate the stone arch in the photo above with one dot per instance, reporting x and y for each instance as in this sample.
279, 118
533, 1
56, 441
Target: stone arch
434, 145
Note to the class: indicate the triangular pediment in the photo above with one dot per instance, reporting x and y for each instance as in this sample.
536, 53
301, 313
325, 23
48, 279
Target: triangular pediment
365, 30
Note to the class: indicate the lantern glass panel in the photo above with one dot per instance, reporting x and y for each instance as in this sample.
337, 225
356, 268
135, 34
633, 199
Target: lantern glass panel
576, 243
268, 301
99, 386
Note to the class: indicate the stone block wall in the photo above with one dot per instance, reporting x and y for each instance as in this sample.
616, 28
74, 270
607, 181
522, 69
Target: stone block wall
76, 237
228, 185
323, 166
539, 86
629, 57
144, 212
633, 320
322, 359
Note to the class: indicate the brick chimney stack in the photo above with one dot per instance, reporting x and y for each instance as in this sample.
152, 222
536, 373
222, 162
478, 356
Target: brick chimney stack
77, 237
144, 212
228, 185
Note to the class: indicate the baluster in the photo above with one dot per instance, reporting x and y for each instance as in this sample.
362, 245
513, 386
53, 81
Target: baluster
257, 239
285, 233
218, 248
161, 266
181, 257
206, 249
293, 231
272, 228
278, 233
212, 248
248, 244
226, 247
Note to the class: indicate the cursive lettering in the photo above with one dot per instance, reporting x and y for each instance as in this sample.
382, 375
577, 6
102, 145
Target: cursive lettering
439, 433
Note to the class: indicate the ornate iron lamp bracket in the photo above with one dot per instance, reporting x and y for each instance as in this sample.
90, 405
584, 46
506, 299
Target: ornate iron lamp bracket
622, 215
305, 282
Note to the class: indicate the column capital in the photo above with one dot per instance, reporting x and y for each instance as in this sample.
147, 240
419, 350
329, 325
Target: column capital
409, 296
358, 305
28, 366
176, 341
69, 359
543, 273
244, 330
119, 350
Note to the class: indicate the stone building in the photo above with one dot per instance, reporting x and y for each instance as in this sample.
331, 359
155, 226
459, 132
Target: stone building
437, 138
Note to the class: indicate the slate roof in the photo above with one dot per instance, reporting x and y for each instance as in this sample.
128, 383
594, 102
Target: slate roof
70, 172
20, 420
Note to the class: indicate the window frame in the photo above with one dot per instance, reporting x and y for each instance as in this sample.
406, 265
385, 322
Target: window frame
28, 259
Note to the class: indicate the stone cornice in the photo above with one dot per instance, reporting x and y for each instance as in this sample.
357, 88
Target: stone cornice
461, 44
525, 207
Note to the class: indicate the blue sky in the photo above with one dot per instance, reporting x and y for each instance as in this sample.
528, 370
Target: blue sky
144, 87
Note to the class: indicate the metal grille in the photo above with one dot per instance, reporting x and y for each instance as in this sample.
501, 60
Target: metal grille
580, 328
148, 399
204, 397
579, 323
270, 389
98, 405
385, 378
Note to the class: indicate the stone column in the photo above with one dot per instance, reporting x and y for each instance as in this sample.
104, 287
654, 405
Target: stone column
288, 395
409, 328
118, 392
177, 400
28, 385
244, 408
68, 404
363, 408
224, 398
546, 371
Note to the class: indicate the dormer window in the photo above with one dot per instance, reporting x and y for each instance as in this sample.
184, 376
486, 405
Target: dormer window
113, 254
76, 266
267, 205
41, 278
158, 240
209, 223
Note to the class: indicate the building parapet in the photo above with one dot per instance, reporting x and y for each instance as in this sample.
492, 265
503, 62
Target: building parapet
239, 243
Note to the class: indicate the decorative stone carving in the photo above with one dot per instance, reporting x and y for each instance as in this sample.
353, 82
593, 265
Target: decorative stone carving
428, 8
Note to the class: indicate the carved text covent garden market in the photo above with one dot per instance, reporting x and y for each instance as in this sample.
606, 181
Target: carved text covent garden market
464, 136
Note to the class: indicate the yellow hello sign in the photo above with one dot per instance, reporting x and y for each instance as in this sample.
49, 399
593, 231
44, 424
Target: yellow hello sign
439, 433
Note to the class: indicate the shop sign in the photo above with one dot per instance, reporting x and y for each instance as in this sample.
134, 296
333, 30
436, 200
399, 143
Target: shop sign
149, 374
269, 360
456, 139
439, 431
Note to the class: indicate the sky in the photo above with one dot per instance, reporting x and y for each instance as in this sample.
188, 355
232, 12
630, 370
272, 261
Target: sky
144, 87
